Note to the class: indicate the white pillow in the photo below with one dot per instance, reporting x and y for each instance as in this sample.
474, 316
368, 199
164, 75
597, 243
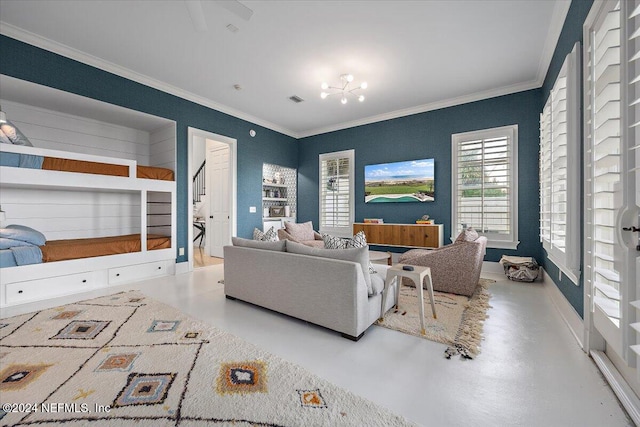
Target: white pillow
14, 134
269, 236
357, 241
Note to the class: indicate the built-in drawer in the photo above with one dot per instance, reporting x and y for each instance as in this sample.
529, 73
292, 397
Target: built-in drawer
132, 273
33, 290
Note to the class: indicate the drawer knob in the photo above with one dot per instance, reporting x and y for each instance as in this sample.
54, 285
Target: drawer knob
117, 274
84, 280
159, 268
20, 291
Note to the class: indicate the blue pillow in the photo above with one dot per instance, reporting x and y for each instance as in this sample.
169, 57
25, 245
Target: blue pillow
11, 243
23, 233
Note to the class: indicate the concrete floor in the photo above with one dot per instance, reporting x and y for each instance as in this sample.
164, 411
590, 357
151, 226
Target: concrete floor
531, 371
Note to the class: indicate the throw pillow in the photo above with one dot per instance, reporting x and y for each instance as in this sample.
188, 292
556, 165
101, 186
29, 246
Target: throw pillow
269, 236
357, 255
334, 242
467, 235
300, 232
357, 241
23, 233
3, 138
14, 134
257, 244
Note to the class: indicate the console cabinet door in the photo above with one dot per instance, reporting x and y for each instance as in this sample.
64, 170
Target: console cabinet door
408, 235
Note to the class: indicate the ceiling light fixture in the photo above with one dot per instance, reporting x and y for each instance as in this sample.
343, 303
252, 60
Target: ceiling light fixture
345, 89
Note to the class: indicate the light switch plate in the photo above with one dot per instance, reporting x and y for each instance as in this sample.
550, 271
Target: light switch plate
252, 209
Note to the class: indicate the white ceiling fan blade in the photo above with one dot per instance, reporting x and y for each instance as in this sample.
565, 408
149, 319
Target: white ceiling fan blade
197, 15
237, 8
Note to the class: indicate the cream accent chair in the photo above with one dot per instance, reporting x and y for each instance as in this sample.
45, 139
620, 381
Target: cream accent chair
455, 268
301, 233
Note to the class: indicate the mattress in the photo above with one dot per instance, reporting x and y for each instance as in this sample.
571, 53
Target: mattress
60, 250
80, 166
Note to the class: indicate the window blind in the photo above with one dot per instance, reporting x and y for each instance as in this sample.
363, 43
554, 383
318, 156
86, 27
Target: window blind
545, 174
559, 170
336, 192
603, 165
484, 184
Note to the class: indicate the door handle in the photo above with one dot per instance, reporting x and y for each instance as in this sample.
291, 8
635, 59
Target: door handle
633, 229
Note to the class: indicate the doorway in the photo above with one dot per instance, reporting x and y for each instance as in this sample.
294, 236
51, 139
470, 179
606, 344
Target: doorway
213, 209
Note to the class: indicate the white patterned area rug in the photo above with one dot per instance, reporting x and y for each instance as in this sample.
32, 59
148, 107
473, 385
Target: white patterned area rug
460, 319
126, 359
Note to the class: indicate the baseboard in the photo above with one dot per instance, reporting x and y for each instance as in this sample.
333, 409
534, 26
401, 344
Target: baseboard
566, 310
622, 390
182, 267
492, 267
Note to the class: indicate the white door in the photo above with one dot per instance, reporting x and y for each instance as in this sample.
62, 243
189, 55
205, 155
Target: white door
219, 196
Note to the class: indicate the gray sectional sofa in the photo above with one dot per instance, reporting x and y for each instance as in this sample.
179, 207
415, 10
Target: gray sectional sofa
328, 287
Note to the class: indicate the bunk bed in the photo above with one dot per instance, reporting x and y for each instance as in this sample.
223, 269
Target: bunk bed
78, 265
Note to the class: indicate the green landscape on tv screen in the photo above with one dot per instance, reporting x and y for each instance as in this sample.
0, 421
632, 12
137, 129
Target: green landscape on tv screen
399, 182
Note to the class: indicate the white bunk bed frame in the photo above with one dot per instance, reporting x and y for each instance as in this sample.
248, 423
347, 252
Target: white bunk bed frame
35, 282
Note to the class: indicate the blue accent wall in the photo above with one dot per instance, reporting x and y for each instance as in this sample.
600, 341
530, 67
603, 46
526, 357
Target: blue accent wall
571, 33
26, 62
428, 135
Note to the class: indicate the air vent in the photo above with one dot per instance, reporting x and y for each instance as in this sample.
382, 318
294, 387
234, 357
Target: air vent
296, 99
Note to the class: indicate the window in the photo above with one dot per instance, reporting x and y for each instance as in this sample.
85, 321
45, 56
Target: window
559, 170
336, 193
485, 176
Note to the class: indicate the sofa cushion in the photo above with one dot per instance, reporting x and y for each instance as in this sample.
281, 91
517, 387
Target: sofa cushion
358, 255
300, 232
278, 246
269, 236
377, 284
467, 235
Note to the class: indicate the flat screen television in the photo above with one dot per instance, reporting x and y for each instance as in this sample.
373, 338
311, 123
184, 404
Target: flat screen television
399, 182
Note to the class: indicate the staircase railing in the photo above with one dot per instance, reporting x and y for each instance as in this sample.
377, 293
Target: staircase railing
198, 183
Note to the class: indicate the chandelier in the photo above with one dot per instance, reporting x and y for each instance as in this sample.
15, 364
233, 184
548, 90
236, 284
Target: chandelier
345, 88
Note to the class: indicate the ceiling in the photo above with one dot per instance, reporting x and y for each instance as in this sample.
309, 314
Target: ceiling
415, 55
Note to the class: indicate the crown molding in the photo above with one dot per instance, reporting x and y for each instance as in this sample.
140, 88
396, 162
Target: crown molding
558, 17
555, 28
77, 55
478, 96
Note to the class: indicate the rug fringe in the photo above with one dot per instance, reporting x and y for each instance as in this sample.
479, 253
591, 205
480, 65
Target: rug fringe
467, 341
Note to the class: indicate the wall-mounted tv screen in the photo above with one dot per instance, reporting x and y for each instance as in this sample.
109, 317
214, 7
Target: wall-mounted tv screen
410, 181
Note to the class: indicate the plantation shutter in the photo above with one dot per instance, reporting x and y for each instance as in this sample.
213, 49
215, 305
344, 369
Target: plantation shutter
484, 182
612, 176
559, 155
545, 174
336, 192
559, 164
603, 156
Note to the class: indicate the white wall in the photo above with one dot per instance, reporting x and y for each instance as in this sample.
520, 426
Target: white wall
198, 154
65, 214
59, 131
162, 147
